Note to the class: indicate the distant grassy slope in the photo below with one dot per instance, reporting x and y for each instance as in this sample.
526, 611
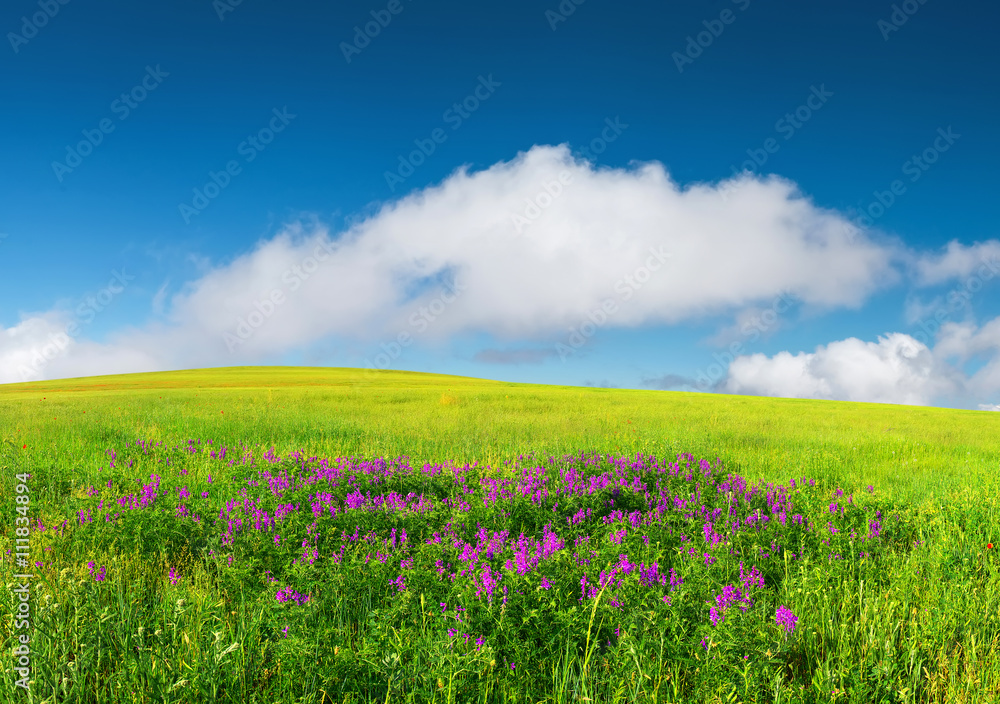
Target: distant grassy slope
906, 451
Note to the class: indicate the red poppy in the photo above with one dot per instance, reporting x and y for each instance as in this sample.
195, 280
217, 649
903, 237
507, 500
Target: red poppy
25, 447
989, 546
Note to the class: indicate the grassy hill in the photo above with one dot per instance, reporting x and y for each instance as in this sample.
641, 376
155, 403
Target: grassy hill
907, 450
119, 462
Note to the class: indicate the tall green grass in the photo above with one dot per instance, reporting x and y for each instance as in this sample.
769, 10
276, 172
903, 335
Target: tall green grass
917, 620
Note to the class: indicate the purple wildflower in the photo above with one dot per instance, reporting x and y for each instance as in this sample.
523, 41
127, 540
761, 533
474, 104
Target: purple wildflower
785, 617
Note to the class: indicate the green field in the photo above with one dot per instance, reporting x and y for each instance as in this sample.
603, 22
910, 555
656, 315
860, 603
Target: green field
169, 573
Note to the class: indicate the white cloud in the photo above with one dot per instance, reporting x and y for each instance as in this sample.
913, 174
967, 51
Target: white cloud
40, 348
989, 407
896, 369
30, 342
914, 311
159, 299
521, 281
755, 322
958, 261
963, 342
984, 342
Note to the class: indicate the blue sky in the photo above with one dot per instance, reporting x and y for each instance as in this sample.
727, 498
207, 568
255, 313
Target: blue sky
200, 150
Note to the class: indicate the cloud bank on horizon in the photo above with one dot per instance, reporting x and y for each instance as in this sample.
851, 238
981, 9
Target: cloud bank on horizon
529, 249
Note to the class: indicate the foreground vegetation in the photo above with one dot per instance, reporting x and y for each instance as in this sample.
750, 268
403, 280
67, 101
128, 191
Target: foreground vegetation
267, 535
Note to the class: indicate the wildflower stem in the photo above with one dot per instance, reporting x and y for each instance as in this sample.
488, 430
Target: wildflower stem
593, 610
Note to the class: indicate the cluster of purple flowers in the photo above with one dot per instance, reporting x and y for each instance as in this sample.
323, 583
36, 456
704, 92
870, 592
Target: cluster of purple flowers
784, 617
649, 576
497, 558
732, 596
453, 633
289, 594
99, 574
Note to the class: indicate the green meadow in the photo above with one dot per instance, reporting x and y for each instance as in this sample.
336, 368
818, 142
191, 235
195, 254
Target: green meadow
561, 544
